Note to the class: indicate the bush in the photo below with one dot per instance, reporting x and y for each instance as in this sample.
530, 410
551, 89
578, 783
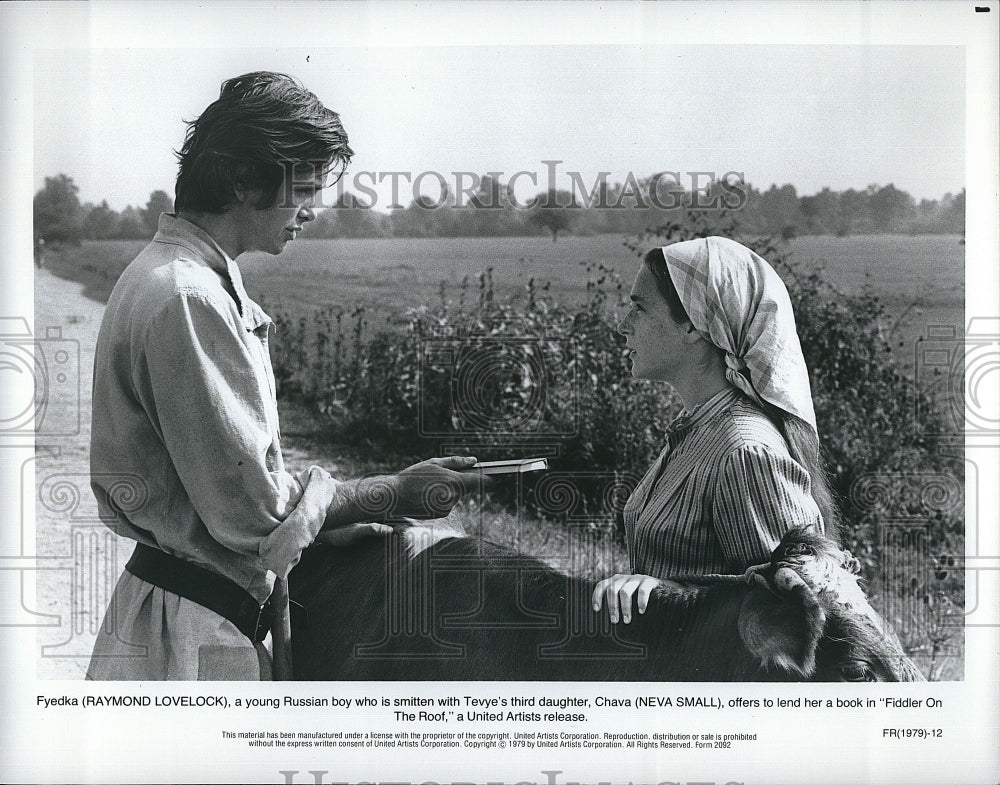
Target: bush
494, 376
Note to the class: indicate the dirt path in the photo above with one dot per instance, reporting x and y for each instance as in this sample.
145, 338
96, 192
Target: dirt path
72, 545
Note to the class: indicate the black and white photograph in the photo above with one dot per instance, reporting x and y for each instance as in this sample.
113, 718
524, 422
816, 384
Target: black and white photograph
498, 392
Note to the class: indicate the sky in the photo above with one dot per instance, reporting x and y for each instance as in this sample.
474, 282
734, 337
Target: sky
838, 116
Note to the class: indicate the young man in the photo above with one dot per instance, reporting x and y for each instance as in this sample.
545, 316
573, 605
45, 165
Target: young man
185, 453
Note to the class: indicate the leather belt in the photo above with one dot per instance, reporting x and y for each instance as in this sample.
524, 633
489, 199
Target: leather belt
204, 587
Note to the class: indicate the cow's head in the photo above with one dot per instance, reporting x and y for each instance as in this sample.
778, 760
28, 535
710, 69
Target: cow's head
806, 614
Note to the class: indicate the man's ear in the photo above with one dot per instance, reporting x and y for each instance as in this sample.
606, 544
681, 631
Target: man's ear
781, 622
241, 186
241, 194
245, 194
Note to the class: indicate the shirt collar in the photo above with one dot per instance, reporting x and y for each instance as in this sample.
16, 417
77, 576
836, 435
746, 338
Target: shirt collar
174, 229
703, 412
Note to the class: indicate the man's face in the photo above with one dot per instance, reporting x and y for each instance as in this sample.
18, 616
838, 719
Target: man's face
271, 228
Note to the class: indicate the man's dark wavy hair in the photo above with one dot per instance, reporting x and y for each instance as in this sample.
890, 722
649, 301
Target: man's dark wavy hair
262, 123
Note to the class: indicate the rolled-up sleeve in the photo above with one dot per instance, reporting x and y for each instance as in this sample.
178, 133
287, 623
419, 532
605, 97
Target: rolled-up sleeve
759, 496
203, 386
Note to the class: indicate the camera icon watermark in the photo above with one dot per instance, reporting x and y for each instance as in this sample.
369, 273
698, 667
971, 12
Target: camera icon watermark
496, 385
962, 371
34, 373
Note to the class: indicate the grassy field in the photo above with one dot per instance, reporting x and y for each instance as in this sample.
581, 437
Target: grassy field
391, 274
919, 278
397, 273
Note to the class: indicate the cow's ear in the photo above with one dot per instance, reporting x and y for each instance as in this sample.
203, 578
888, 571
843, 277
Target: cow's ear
781, 622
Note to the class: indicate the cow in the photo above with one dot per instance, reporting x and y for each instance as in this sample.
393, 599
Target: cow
434, 605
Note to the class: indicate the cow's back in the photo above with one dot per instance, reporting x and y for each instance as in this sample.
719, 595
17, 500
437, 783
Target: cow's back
466, 609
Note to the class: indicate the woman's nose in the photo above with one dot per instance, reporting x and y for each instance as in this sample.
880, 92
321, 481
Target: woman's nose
623, 324
306, 213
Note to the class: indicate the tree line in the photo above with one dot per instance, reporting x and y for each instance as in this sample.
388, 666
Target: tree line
59, 217
629, 208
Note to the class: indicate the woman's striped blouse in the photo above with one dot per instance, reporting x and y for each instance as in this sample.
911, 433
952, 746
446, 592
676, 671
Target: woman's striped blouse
720, 495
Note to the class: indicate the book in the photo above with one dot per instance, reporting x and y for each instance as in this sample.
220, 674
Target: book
516, 466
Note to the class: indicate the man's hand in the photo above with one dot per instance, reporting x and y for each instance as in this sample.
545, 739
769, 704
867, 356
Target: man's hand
619, 590
344, 536
431, 488
428, 489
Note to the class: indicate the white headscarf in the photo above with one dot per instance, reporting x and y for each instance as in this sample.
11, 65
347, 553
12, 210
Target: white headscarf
736, 301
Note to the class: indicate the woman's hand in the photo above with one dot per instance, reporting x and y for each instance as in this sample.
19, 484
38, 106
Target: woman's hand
618, 591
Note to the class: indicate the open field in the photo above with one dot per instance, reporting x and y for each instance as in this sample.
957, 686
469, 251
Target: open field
397, 273
919, 278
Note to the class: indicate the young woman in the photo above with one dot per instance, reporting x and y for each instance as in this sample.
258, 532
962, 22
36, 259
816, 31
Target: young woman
741, 465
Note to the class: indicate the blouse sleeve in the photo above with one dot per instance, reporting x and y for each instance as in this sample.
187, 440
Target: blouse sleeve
760, 495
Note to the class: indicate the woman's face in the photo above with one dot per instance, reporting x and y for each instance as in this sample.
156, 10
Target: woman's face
659, 346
